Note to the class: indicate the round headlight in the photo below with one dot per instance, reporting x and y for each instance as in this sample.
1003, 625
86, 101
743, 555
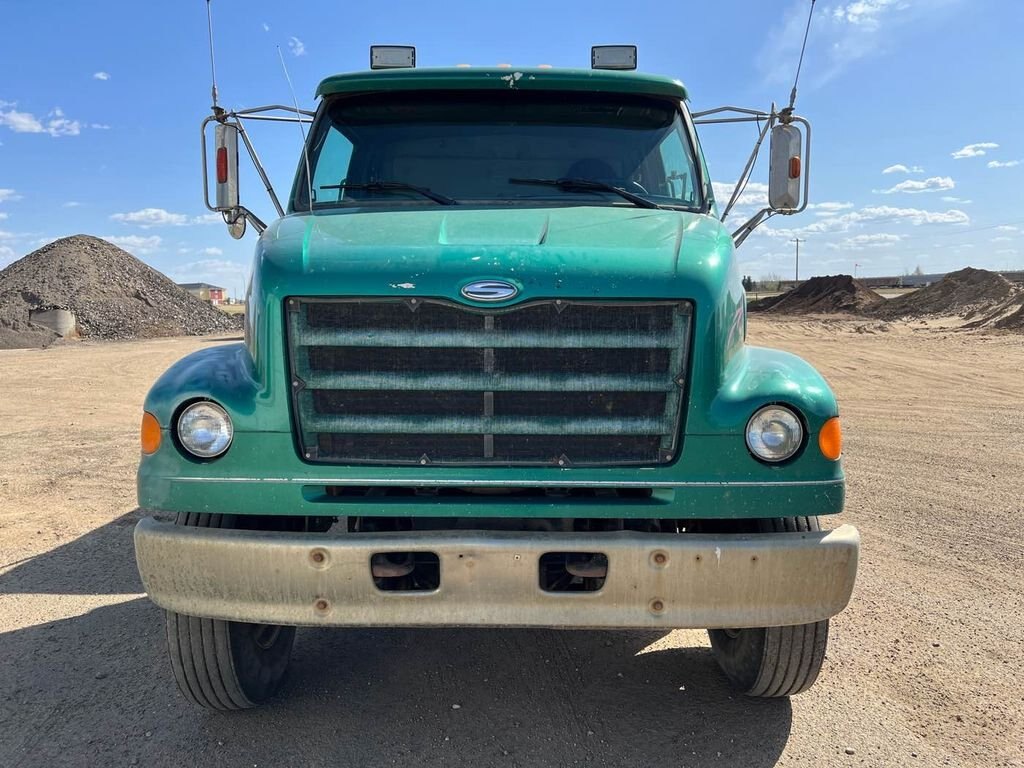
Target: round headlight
774, 433
205, 430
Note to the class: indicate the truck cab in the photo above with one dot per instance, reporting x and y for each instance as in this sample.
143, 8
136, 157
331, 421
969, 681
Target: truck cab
495, 374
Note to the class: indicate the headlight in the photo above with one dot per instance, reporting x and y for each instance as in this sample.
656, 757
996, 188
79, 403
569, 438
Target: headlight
205, 430
774, 433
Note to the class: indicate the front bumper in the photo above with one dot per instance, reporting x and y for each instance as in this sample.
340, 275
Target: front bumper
491, 578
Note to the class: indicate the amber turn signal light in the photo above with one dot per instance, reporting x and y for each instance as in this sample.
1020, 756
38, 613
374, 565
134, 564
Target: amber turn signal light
150, 433
794, 167
830, 439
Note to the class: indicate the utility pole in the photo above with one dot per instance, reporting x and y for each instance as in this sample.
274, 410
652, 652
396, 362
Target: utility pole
797, 240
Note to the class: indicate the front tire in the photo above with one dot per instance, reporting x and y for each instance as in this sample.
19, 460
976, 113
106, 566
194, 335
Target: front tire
225, 665
773, 661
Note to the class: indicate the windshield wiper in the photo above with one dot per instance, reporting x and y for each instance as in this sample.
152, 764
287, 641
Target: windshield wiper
588, 185
383, 186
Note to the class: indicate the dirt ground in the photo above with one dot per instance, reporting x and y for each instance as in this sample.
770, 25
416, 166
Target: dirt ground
924, 667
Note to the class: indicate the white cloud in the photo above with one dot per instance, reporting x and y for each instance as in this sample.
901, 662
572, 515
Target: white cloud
1007, 228
59, 125
8, 195
56, 124
71, 204
266, 27
842, 34
828, 208
912, 186
1001, 239
212, 251
296, 46
135, 243
100, 126
950, 199
876, 240
2, 215
755, 193
146, 218
901, 168
101, 76
869, 215
1003, 164
20, 122
6, 256
151, 217
973, 150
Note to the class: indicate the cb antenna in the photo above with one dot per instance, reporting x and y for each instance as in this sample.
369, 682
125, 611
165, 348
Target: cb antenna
792, 94
302, 131
213, 65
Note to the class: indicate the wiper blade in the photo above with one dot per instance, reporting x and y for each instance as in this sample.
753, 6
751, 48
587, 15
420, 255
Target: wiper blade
588, 185
383, 186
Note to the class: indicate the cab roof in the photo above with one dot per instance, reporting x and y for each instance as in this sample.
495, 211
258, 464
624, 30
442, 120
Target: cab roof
497, 78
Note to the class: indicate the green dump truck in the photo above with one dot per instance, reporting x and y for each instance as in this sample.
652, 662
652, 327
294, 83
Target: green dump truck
494, 375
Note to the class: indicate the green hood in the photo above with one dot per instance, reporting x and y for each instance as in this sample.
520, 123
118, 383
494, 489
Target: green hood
579, 251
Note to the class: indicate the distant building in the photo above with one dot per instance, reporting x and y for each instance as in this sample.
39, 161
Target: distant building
206, 292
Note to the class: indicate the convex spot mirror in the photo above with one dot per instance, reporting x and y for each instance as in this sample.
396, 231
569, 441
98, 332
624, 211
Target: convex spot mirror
785, 170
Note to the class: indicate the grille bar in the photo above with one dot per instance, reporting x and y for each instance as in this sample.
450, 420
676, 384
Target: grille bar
431, 381
485, 425
337, 337
492, 381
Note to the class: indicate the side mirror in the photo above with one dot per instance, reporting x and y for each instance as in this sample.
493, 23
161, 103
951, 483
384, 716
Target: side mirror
226, 142
785, 170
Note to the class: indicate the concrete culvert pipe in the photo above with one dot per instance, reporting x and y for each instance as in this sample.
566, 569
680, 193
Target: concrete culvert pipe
60, 321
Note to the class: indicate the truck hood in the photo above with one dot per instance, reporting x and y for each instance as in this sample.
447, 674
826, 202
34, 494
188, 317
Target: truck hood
579, 251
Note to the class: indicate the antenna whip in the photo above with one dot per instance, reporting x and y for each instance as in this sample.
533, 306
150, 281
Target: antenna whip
807, 29
213, 65
305, 149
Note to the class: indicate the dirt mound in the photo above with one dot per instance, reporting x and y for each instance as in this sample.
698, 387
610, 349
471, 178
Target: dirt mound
822, 295
112, 294
974, 294
1005, 316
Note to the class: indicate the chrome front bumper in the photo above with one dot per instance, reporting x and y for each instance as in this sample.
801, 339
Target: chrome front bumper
491, 578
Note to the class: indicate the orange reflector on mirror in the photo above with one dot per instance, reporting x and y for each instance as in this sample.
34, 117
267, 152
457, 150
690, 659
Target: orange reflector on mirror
830, 439
150, 434
794, 167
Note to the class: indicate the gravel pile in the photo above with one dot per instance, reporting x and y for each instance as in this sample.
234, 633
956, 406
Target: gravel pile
112, 294
973, 294
822, 295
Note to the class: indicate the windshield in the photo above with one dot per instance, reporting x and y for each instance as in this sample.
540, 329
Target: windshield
476, 148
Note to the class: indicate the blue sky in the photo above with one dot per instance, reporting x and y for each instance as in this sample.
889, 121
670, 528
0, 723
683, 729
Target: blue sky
917, 108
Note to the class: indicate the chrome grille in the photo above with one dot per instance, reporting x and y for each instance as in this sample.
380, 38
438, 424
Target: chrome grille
429, 381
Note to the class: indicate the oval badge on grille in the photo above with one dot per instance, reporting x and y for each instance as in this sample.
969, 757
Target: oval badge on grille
489, 290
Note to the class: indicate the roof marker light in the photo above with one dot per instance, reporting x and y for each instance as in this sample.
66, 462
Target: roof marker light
613, 57
392, 57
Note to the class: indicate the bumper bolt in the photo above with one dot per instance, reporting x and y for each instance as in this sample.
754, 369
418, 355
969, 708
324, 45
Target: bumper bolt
318, 557
321, 605
659, 559
657, 605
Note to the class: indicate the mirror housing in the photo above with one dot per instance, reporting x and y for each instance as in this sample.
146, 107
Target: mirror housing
785, 168
226, 144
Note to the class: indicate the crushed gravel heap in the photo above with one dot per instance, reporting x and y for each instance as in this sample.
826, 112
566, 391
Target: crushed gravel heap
822, 295
974, 294
112, 294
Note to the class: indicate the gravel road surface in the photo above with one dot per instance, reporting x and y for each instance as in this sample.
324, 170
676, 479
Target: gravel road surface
924, 667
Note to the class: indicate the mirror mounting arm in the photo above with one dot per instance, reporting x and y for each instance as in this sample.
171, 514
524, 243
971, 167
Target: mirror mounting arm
235, 118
